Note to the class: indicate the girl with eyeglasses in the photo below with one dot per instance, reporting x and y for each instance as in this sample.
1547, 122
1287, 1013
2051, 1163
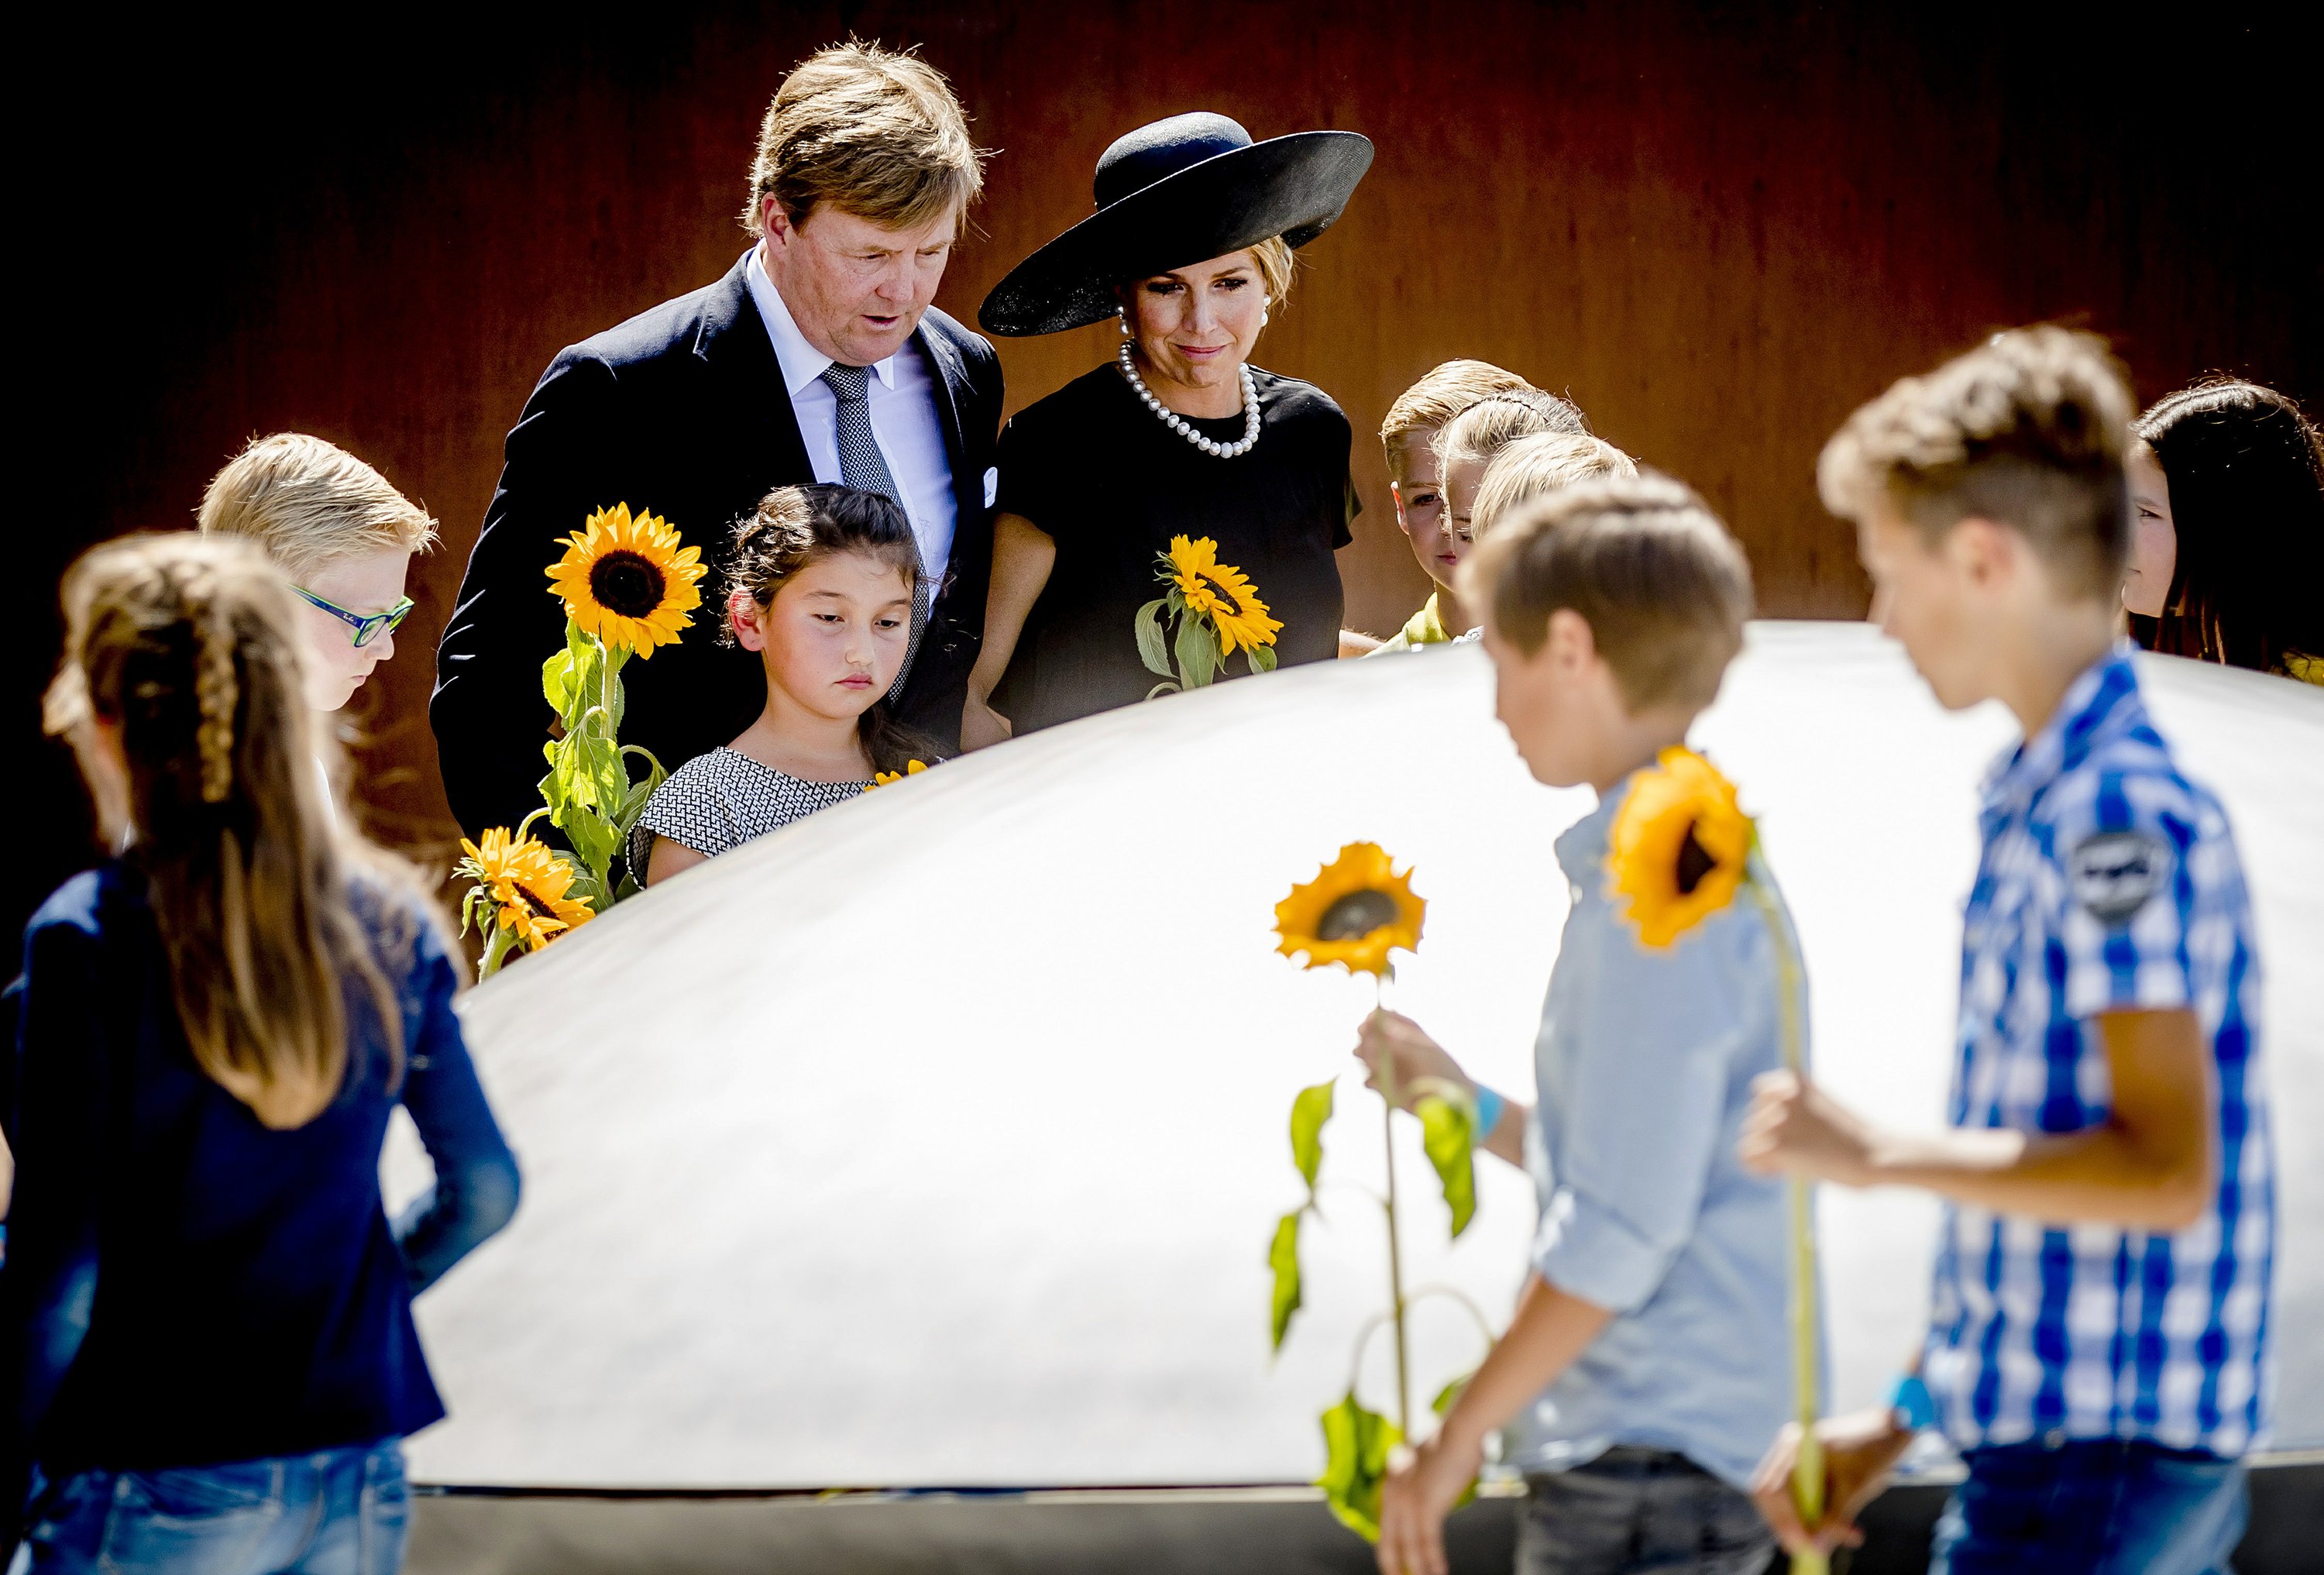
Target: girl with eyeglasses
341, 534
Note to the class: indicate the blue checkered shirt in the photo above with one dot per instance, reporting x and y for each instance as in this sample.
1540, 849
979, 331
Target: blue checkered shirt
2109, 882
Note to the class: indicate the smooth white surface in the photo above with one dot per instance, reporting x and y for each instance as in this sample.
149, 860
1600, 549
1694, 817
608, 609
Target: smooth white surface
938, 1138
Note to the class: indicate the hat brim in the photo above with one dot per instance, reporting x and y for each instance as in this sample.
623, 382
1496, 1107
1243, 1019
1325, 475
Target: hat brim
1294, 187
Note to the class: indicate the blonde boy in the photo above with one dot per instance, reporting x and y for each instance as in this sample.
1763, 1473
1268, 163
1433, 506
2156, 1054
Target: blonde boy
2098, 1348
343, 536
1408, 438
1646, 1351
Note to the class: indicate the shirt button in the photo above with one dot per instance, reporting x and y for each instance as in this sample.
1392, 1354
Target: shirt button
2055, 1439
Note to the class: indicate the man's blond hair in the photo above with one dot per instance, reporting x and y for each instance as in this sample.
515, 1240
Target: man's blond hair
1665, 589
2028, 431
1532, 467
1478, 435
872, 133
308, 503
1443, 392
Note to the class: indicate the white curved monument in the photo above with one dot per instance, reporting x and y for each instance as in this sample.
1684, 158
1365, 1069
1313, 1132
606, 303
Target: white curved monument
937, 1140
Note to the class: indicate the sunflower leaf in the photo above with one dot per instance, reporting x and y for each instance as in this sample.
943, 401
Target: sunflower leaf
1356, 1444
1309, 1111
1283, 1257
1262, 659
1198, 652
1446, 1133
557, 681
1151, 650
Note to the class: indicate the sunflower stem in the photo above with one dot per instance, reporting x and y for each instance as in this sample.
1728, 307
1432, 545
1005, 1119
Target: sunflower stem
1808, 1469
497, 946
1395, 1251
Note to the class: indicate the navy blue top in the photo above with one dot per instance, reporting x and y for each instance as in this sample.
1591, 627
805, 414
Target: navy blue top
185, 1286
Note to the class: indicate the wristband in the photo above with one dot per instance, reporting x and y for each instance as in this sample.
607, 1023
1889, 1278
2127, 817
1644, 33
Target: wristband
1915, 1407
1489, 1106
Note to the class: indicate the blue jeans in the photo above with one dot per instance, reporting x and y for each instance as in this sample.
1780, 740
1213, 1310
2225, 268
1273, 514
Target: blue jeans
2102, 1507
335, 1512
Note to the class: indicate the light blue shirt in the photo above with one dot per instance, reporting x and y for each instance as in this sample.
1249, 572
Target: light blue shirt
1644, 1068
900, 396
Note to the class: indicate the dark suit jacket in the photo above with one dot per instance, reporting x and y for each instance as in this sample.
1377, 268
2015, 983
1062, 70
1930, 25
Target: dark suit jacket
681, 410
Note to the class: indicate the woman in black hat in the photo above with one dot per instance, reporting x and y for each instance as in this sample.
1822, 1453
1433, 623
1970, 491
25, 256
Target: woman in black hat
1179, 436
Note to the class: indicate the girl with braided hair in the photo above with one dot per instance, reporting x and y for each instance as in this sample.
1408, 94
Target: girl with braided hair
205, 1333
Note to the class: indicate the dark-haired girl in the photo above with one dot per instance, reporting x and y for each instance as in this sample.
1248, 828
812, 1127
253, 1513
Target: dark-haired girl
820, 585
206, 1349
2227, 482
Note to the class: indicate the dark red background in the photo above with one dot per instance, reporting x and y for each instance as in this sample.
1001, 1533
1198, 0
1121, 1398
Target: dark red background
1719, 227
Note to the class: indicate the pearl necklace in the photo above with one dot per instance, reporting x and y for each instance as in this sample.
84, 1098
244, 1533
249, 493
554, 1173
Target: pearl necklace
1181, 426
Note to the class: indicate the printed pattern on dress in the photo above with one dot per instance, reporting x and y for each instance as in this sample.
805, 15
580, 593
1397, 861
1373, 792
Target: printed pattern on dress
715, 803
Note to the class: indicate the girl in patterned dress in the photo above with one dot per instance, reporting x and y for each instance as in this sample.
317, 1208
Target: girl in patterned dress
820, 583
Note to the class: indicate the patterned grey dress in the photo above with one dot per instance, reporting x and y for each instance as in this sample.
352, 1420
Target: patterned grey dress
718, 801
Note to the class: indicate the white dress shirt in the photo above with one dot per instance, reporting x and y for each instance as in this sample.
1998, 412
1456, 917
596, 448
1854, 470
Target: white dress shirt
901, 395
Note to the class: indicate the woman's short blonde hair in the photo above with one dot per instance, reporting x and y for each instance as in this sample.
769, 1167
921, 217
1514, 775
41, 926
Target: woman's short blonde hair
1532, 467
310, 502
872, 133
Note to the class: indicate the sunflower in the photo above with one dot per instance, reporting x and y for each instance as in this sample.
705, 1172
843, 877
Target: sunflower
1352, 913
627, 580
1220, 592
527, 884
911, 769
1679, 846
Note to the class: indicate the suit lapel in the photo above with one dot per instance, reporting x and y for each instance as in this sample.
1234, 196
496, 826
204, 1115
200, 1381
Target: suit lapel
734, 346
951, 378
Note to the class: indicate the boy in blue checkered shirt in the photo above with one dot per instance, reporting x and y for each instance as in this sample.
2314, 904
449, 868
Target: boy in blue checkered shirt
2098, 1349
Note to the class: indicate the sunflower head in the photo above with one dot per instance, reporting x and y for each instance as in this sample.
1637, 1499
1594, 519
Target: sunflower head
1219, 592
527, 883
627, 580
911, 769
1357, 909
1679, 846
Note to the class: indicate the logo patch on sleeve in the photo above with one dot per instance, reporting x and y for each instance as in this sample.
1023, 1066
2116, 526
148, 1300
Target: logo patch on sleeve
2113, 874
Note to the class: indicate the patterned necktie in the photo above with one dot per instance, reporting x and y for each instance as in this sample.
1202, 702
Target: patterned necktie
864, 468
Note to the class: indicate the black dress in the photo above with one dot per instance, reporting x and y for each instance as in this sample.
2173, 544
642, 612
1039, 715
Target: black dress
1099, 473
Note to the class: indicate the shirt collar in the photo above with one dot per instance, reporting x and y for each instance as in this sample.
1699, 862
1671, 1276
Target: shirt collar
2102, 701
1582, 846
801, 362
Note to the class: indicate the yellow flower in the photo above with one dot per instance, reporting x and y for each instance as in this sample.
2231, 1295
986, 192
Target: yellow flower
1352, 913
1220, 592
1678, 848
528, 884
627, 581
911, 769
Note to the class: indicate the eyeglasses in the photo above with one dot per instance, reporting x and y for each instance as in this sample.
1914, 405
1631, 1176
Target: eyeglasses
367, 626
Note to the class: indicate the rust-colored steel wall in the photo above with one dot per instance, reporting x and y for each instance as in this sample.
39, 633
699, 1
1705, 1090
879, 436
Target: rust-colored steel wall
1718, 227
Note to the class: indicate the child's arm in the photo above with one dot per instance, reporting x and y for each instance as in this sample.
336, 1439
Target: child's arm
668, 858
2148, 1166
476, 1184
1418, 1057
1550, 1329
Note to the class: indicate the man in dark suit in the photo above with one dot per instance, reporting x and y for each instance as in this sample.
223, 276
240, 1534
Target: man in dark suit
817, 357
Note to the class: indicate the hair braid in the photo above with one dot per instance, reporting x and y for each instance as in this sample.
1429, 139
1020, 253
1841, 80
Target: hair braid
215, 691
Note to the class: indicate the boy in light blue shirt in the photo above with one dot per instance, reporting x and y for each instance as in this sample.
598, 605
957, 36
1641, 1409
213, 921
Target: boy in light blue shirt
1649, 1354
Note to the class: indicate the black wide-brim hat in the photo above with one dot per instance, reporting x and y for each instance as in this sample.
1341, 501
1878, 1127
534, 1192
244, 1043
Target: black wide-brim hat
1181, 191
